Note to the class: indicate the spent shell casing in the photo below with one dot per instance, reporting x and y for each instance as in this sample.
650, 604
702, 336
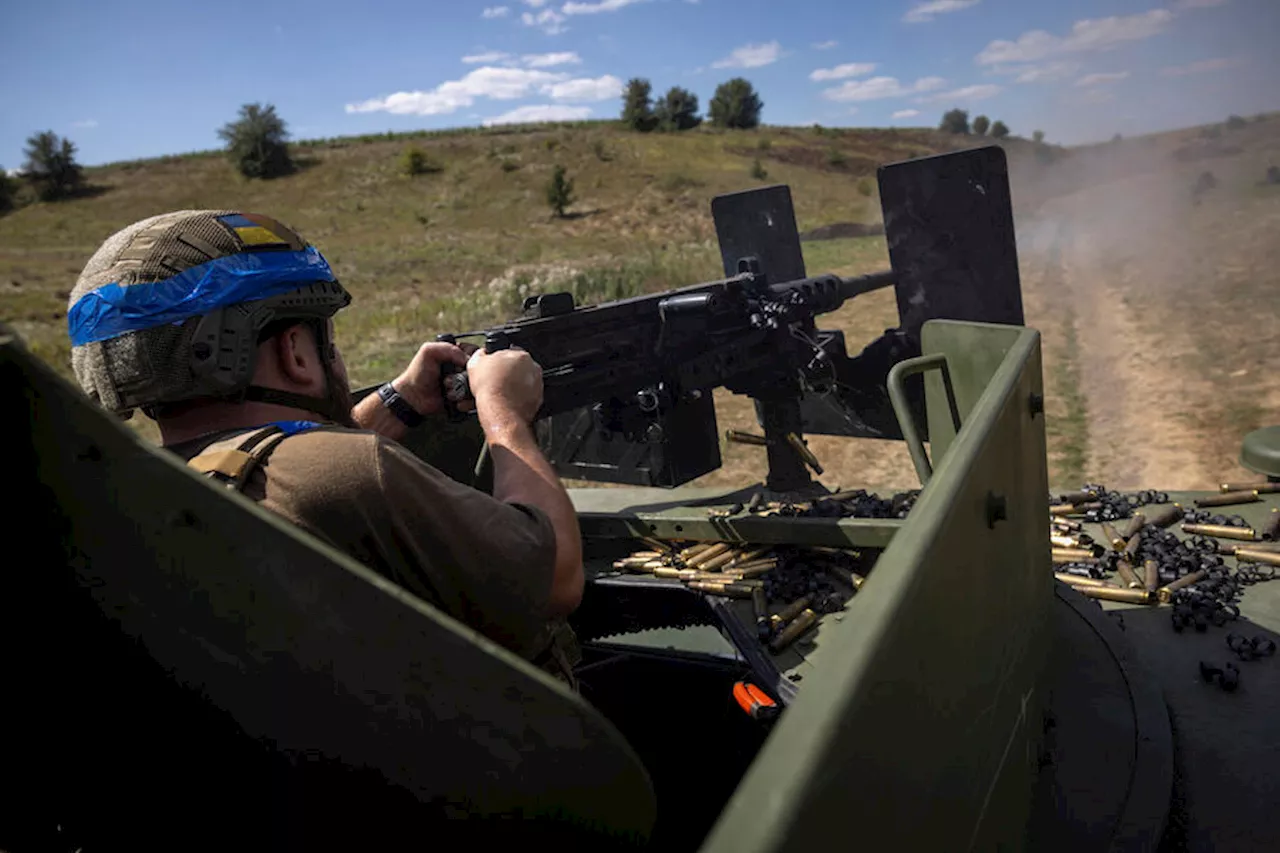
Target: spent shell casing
1072, 555
710, 554
731, 590
1252, 555
675, 574
1260, 488
1110, 593
1229, 499
1078, 580
1067, 525
803, 622
759, 604
1271, 530
1221, 531
756, 570
1136, 522
744, 557
1165, 593
1166, 517
1113, 536
657, 544
790, 612
1152, 571
846, 577
1059, 541
717, 562
1128, 578
1131, 547
740, 437
805, 453
1079, 497
647, 555
754, 503
695, 550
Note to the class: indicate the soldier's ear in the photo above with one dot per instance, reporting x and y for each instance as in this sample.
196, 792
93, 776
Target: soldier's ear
296, 356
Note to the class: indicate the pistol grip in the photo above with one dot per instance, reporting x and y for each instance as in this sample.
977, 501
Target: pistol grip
454, 389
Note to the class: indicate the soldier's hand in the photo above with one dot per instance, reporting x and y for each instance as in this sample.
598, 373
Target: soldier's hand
419, 384
506, 384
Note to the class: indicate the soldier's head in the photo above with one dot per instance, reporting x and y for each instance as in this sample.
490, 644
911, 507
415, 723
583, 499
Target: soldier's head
201, 306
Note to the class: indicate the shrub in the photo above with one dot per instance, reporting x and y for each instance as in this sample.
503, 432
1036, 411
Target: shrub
637, 109
415, 161
758, 171
736, 105
836, 158
559, 191
602, 153
999, 130
981, 125
673, 182
1235, 123
1037, 136
864, 186
763, 145
256, 142
678, 110
51, 166
509, 165
955, 121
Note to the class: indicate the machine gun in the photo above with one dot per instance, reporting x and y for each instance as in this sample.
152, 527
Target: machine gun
628, 384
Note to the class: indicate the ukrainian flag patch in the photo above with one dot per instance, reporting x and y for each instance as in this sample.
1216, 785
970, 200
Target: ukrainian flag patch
252, 232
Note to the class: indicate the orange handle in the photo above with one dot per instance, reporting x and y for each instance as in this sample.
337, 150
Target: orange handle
755, 701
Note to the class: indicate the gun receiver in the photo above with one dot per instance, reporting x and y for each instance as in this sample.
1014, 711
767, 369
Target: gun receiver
627, 384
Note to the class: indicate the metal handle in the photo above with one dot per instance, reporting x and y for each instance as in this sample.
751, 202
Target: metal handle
902, 407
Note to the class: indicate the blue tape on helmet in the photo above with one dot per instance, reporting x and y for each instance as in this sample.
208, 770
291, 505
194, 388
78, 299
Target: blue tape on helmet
294, 427
113, 310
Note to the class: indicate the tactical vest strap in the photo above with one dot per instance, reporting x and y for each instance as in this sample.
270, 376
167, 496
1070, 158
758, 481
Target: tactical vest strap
232, 466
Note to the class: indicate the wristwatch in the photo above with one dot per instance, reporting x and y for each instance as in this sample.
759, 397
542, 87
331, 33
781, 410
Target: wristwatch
399, 406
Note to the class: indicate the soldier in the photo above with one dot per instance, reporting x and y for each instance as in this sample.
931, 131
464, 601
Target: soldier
218, 325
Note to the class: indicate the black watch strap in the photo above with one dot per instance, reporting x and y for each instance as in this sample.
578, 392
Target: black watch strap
399, 406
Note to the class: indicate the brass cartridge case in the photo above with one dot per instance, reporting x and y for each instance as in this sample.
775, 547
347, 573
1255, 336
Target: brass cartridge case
846, 577
1078, 497
1072, 555
1131, 547
805, 453
1271, 529
1229, 499
1058, 541
790, 612
803, 622
1260, 488
755, 570
754, 503
1136, 523
1128, 578
1077, 580
675, 574
744, 557
708, 555
1062, 509
739, 437
1151, 570
717, 562
1221, 531
1067, 525
694, 551
1113, 536
1132, 596
657, 544
1165, 593
1166, 517
732, 590
1251, 555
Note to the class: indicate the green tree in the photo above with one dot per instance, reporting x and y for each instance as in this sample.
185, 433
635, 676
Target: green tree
559, 191
999, 130
955, 121
735, 105
51, 166
257, 142
637, 107
678, 110
6, 191
1037, 136
980, 125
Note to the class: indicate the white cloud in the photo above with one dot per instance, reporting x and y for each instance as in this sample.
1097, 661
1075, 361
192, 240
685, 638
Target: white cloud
495, 12
86, 123
825, 45
450, 96
1198, 4
585, 89
849, 69
928, 11
592, 8
906, 114
880, 87
488, 56
1106, 77
1088, 35
967, 93
1201, 67
1050, 72
547, 60
539, 112
549, 21
751, 56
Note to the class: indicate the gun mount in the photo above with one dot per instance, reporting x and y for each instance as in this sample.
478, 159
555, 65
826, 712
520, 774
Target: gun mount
627, 384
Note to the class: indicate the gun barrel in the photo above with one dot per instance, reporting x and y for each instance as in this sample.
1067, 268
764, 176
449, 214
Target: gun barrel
824, 293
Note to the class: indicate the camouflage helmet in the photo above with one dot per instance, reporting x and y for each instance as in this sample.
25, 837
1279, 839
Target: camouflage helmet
171, 308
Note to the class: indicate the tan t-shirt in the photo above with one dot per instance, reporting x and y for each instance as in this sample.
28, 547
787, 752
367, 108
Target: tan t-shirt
487, 563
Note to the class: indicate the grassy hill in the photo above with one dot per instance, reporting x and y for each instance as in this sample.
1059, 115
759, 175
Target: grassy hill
459, 247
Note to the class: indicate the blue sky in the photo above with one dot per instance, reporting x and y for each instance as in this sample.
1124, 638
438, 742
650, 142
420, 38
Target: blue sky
148, 77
